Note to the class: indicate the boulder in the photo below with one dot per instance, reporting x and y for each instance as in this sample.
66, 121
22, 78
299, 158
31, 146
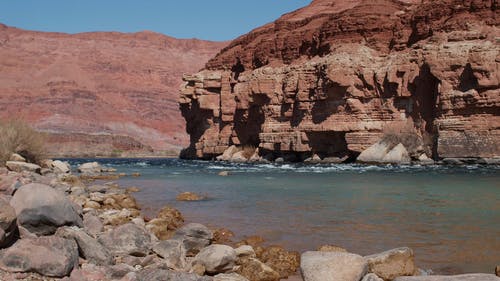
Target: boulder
216, 258
462, 277
223, 236
50, 256
392, 263
173, 252
8, 225
332, 266
61, 167
40, 209
89, 248
284, 262
374, 154
18, 166
167, 221
497, 270
127, 239
381, 152
228, 153
16, 157
239, 157
189, 196
154, 274
195, 237
331, 248
90, 168
371, 277
229, 277
245, 251
397, 155
255, 270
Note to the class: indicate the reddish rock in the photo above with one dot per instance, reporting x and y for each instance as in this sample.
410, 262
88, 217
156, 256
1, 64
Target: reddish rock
101, 93
329, 78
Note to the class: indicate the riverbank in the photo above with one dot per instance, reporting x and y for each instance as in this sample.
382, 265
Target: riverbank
103, 216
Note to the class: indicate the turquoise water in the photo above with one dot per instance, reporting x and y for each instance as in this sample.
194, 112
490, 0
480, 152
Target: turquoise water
449, 215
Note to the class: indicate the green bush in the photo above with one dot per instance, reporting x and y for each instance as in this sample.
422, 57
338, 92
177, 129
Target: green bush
16, 136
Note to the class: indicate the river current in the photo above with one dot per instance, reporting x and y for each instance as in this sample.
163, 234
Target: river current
449, 215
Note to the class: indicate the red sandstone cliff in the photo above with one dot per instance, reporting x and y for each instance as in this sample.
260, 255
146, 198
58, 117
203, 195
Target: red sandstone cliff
329, 78
99, 92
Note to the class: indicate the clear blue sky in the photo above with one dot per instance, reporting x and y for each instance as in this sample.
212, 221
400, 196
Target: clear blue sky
205, 19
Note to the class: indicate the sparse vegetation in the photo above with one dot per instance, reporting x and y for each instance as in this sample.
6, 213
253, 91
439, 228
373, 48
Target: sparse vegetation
248, 151
405, 133
16, 136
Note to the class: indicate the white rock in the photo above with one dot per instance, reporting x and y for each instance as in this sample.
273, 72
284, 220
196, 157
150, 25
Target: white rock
397, 155
216, 258
332, 266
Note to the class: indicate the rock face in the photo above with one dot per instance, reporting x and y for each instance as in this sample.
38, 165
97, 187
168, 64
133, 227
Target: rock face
40, 209
49, 256
332, 266
99, 93
335, 77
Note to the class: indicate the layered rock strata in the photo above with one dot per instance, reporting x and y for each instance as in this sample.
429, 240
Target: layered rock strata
333, 78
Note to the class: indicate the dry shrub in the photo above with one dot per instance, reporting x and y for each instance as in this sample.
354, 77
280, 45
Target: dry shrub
405, 133
16, 136
248, 151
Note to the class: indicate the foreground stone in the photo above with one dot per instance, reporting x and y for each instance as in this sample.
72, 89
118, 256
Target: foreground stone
61, 167
167, 275
229, 277
195, 237
216, 258
7, 223
17, 166
463, 277
284, 262
127, 239
173, 253
392, 263
40, 209
89, 248
255, 270
49, 256
372, 277
332, 266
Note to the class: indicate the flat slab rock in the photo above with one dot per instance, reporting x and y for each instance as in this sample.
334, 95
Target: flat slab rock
332, 266
50, 256
462, 277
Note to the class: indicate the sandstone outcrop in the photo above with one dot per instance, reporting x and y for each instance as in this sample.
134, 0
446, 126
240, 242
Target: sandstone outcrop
99, 93
335, 77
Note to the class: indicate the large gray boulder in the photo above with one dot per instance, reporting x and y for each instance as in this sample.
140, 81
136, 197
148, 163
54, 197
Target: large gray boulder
127, 239
50, 256
392, 263
40, 209
89, 248
195, 237
332, 266
18, 166
8, 225
463, 277
173, 252
216, 258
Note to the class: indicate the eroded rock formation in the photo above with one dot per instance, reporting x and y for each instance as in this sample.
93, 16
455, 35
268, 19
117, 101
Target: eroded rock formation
99, 92
331, 78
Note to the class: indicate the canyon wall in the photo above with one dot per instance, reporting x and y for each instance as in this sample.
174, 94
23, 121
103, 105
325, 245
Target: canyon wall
99, 93
332, 78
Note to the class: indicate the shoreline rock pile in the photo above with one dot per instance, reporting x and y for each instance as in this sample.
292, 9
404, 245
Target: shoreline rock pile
57, 227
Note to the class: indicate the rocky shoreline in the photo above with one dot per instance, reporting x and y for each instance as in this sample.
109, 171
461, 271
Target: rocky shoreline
56, 225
